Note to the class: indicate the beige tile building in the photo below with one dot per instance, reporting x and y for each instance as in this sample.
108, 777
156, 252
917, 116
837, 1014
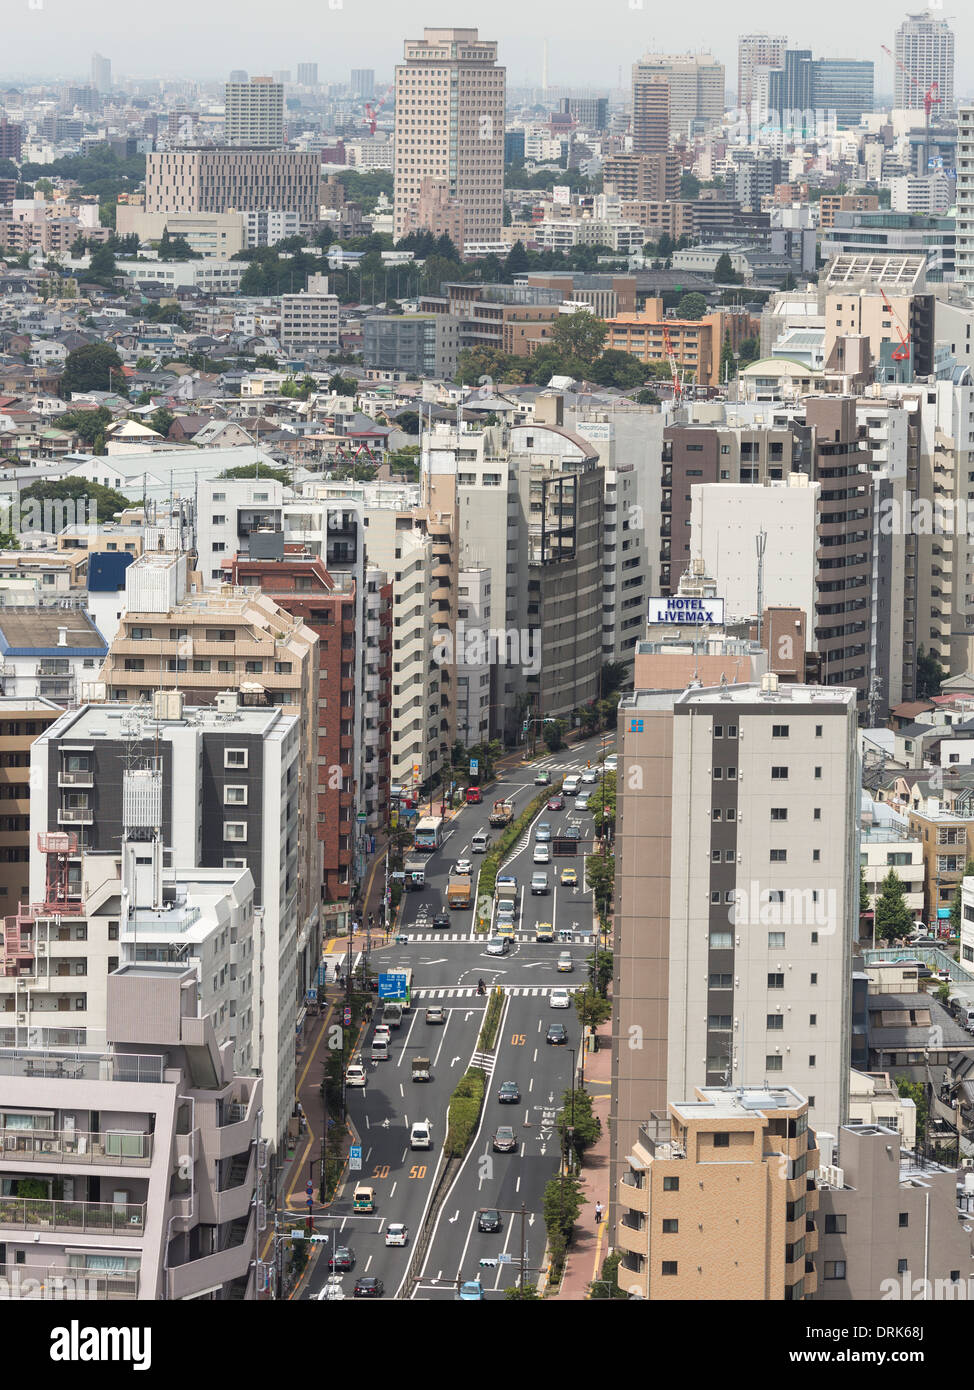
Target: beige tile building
234, 180
716, 1199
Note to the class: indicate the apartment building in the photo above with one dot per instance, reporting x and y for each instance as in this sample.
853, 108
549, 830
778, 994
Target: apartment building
650, 177
309, 321
891, 1223
947, 841
756, 51
234, 180
510, 318
149, 1152
965, 198
48, 653
375, 779
650, 112
606, 295
474, 664
22, 720
891, 846
232, 790
737, 879
696, 89
437, 210
717, 1199
420, 345
924, 54
696, 344
449, 95
254, 113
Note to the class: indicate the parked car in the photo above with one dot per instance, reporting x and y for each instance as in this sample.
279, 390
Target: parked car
559, 999
489, 1220
498, 946
342, 1259
557, 1033
397, 1234
368, 1288
509, 1093
355, 1074
556, 803
504, 1140
435, 1014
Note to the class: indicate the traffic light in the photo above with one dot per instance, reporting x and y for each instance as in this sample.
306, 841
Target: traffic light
525, 726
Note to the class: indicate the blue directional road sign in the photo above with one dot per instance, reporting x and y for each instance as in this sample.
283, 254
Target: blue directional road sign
355, 1158
392, 986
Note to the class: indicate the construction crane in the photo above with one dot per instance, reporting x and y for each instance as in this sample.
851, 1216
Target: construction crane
668, 349
901, 353
372, 112
930, 98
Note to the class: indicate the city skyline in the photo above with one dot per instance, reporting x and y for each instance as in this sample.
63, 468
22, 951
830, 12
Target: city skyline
345, 37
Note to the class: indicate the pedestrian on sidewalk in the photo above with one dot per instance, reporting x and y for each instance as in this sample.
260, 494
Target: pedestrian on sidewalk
598, 1213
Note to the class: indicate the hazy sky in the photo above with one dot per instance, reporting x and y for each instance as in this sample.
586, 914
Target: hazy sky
206, 38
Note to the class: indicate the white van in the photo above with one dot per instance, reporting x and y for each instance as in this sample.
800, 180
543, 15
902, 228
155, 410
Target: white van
480, 843
421, 1135
380, 1050
570, 785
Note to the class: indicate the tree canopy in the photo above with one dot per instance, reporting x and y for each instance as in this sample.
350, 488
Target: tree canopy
93, 367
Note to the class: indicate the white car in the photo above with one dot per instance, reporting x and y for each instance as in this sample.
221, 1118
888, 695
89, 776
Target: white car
355, 1075
560, 999
542, 854
611, 763
463, 866
382, 1030
589, 777
396, 1234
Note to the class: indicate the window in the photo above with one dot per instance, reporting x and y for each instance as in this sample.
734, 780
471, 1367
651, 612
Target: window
779, 812
812, 1020
813, 978
904, 1218
779, 730
722, 1141
816, 856
779, 774
718, 773
671, 1184
818, 730
779, 856
717, 813
776, 982
817, 813
835, 1269
235, 757
718, 731
818, 774
234, 796
776, 941
234, 830
715, 856
776, 1021
902, 1266
731, 814
773, 1062
669, 1266
811, 1060
670, 1226
732, 731
235, 863
721, 941
719, 1021
836, 1224
732, 774
719, 982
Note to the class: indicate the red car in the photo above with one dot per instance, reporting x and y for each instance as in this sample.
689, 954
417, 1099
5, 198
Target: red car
474, 796
556, 803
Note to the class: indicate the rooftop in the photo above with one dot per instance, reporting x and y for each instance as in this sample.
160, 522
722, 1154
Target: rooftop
25, 631
119, 721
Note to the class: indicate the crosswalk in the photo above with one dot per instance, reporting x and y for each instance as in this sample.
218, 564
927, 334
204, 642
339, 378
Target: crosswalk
465, 936
515, 991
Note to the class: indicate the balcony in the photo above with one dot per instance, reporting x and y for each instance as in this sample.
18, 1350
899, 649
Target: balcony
239, 1118
220, 1268
631, 1197
60, 1282
76, 779
105, 1218
636, 1242
75, 815
49, 1146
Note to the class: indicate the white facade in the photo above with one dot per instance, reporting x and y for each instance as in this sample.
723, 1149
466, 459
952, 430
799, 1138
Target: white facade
473, 657
925, 53
965, 198
882, 849
310, 321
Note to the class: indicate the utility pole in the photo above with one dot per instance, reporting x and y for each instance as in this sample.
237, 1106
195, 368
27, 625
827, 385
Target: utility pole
524, 1216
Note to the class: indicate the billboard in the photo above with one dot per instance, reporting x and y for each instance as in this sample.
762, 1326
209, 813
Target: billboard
682, 611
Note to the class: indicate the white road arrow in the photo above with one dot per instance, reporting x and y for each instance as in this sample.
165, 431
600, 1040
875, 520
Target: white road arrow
455, 1218
544, 1150
531, 1219
454, 1061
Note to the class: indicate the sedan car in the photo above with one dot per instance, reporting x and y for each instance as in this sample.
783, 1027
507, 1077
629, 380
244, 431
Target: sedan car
498, 946
489, 1220
556, 803
565, 961
397, 1234
355, 1075
559, 999
504, 1140
342, 1259
434, 1014
509, 1093
611, 763
542, 854
543, 833
471, 1292
368, 1287
569, 878
382, 1030
557, 1033
572, 832
441, 919
590, 777
463, 866
542, 779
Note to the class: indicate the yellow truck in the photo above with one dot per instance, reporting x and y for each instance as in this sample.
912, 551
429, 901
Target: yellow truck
459, 892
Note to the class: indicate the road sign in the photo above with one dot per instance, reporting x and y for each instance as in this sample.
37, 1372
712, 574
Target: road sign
392, 986
362, 817
474, 765
505, 1258
346, 1016
355, 1158
397, 876
322, 975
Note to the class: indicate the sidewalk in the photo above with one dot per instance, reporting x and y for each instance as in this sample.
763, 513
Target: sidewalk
589, 1245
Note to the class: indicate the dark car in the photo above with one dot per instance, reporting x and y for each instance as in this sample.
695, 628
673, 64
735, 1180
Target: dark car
572, 832
342, 1258
509, 1094
489, 1220
557, 1033
556, 803
504, 1140
442, 919
368, 1288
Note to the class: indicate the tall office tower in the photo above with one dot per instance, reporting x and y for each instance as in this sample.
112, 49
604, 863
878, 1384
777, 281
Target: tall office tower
101, 73
11, 139
965, 198
363, 83
756, 51
696, 82
450, 128
845, 87
238, 75
307, 74
790, 90
255, 113
925, 47
650, 113
737, 884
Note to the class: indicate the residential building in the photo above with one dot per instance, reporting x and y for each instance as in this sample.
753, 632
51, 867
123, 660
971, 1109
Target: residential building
965, 198
309, 321
717, 1197
474, 671
696, 344
437, 210
449, 100
363, 83
756, 51
307, 74
924, 54
875, 1100
234, 180
652, 177
11, 139
419, 345
254, 115
891, 846
927, 194
150, 1147
650, 112
891, 1223
101, 73
48, 653
832, 203
22, 719
751, 974
696, 89
948, 843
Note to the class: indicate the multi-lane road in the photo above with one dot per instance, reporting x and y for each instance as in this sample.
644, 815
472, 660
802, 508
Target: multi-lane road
446, 967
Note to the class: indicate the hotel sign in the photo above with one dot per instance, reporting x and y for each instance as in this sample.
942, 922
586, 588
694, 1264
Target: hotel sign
682, 611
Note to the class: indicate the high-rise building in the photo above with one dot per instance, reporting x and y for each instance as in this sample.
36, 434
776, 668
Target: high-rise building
696, 82
843, 87
925, 48
11, 139
363, 83
650, 113
790, 91
221, 180
101, 73
737, 880
307, 74
590, 112
756, 51
238, 75
965, 198
450, 128
255, 113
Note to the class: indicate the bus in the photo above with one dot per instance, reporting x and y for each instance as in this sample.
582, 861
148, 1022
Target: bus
428, 833
405, 997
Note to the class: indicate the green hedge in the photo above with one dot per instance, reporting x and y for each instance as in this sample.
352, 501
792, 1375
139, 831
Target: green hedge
465, 1104
508, 838
492, 1017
